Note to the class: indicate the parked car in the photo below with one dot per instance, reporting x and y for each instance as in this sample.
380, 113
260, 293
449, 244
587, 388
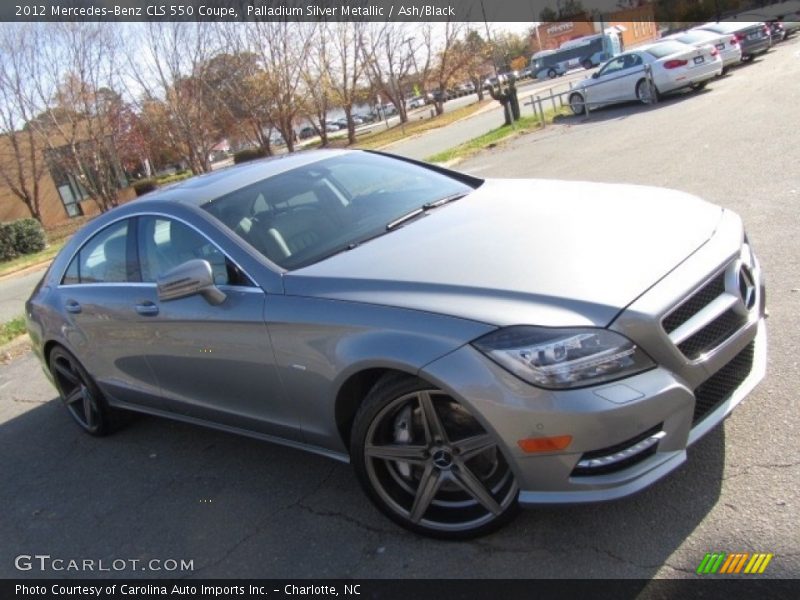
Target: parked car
331, 126
365, 118
754, 37
306, 133
416, 102
727, 43
673, 65
777, 31
466, 88
413, 321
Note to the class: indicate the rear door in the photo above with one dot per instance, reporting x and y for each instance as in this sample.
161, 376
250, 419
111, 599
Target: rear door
103, 326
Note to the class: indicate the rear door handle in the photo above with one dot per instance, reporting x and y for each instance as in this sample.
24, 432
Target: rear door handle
147, 309
72, 306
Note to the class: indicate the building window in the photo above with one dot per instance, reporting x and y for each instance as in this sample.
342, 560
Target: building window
70, 190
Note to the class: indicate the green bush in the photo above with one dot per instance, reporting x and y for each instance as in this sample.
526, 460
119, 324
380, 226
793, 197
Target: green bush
248, 154
179, 176
144, 186
7, 249
28, 235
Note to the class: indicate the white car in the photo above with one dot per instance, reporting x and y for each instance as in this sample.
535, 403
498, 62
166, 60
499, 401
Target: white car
730, 50
673, 66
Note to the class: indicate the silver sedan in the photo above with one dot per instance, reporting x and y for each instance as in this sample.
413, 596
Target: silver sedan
470, 346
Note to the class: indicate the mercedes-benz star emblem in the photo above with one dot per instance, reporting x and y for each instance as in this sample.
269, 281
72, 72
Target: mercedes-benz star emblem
747, 287
442, 459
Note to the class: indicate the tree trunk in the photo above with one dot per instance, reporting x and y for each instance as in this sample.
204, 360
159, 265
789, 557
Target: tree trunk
439, 106
351, 127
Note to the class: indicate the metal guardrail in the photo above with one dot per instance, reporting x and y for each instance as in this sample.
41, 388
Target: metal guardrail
537, 102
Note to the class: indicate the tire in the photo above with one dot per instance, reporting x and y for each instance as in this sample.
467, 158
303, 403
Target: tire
552, 73
587, 64
699, 86
577, 104
644, 94
428, 465
749, 58
82, 398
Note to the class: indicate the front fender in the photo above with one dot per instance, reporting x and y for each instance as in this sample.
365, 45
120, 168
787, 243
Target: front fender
320, 344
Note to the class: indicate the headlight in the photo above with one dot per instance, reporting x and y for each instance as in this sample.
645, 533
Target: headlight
564, 358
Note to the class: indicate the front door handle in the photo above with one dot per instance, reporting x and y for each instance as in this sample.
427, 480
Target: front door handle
147, 309
72, 306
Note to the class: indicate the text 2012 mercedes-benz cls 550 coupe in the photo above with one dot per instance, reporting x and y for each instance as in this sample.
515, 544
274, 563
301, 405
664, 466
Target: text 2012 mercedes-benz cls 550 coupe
469, 345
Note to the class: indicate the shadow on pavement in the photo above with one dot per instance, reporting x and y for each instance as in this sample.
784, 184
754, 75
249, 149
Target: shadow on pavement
245, 508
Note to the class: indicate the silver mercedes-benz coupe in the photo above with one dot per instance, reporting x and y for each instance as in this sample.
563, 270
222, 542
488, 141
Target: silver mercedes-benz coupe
469, 345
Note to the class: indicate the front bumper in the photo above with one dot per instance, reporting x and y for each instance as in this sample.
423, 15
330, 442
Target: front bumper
610, 420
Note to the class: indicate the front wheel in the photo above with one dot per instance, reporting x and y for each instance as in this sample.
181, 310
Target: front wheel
588, 64
428, 464
577, 104
552, 73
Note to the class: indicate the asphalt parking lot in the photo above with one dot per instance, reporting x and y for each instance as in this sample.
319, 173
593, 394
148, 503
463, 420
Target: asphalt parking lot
242, 508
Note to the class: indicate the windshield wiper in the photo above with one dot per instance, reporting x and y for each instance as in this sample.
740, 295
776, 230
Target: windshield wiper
442, 201
406, 217
423, 209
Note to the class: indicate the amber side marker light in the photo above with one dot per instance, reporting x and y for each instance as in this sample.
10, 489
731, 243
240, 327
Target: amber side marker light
545, 444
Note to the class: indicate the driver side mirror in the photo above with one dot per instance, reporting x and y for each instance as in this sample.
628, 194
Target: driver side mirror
187, 279
596, 74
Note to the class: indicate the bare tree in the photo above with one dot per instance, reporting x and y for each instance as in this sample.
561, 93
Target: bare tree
347, 68
282, 48
445, 58
74, 73
388, 55
317, 87
167, 63
21, 161
236, 76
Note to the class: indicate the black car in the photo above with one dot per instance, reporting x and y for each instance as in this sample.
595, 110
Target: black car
754, 37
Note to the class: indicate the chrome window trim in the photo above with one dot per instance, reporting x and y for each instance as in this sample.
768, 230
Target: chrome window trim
60, 283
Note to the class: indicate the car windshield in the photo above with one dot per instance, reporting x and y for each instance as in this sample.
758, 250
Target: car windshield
666, 48
309, 213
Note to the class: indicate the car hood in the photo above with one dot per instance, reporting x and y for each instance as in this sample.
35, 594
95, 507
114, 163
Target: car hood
551, 253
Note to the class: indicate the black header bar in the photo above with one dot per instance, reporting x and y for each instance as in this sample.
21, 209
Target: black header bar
377, 10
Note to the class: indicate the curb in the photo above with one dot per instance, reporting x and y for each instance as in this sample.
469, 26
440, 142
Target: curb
25, 270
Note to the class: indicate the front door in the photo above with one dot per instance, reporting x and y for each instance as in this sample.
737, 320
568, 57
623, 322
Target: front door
212, 362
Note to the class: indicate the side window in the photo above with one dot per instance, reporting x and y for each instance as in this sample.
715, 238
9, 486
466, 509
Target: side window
103, 259
164, 244
614, 66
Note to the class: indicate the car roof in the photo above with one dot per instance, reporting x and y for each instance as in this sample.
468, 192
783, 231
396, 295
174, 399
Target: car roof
205, 188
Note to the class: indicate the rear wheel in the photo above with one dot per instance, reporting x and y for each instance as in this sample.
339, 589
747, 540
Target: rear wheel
577, 104
588, 64
427, 463
81, 396
552, 73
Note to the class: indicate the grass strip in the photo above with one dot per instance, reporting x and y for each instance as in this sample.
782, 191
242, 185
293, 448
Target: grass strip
495, 136
12, 329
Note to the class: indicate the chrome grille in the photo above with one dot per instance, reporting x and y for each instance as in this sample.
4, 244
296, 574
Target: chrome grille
717, 388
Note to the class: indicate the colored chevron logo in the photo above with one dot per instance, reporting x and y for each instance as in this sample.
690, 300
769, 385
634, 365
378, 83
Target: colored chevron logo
742, 563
